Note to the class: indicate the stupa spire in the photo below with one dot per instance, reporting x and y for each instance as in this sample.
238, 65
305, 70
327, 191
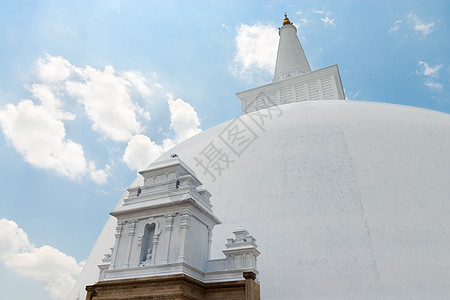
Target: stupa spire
291, 59
293, 80
286, 20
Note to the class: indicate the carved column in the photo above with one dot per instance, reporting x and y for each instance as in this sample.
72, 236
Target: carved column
252, 289
116, 243
185, 220
131, 231
168, 227
155, 242
209, 242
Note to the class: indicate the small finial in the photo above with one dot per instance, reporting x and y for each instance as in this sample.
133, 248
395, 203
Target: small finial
286, 20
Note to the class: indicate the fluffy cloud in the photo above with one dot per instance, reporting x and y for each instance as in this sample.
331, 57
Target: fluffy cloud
36, 129
53, 69
107, 102
105, 94
41, 139
256, 49
50, 102
98, 176
140, 152
184, 121
54, 269
138, 81
38, 133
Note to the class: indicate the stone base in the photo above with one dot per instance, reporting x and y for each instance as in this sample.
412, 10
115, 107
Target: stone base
179, 287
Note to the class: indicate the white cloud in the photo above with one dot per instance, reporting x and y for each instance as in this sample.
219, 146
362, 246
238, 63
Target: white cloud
54, 269
139, 81
256, 49
425, 29
107, 102
431, 74
183, 119
41, 139
302, 22
428, 70
225, 26
52, 69
352, 95
37, 131
396, 26
104, 94
50, 102
140, 152
328, 21
98, 176
419, 26
433, 85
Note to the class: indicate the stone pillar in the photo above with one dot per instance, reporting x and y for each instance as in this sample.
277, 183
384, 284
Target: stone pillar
252, 290
116, 243
155, 242
185, 220
209, 243
169, 221
91, 292
131, 231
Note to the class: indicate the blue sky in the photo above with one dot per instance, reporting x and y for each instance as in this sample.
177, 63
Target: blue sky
91, 91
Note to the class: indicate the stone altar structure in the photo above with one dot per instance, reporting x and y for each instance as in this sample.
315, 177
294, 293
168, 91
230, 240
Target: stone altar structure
162, 245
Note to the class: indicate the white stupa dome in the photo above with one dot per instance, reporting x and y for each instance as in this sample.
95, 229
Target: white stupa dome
346, 199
